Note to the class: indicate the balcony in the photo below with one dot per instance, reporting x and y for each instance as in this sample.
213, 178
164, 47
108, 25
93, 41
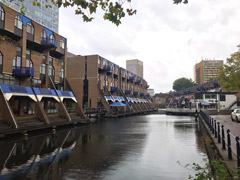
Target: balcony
107, 68
49, 42
23, 71
131, 78
147, 86
114, 89
142, 94
135, 93
138, 81
127, 91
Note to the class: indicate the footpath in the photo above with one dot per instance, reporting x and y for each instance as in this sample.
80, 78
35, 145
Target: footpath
225, 142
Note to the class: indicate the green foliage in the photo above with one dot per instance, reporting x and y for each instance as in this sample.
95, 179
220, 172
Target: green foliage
215, 169
182, 83
230, 73
114, 10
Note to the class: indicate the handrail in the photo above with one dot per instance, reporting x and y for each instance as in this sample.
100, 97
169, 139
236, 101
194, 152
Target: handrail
219, 133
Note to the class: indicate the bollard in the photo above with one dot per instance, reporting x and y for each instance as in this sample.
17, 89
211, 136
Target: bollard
229, 145
215, 127
238, 153
219, 138
212, 125
223, 138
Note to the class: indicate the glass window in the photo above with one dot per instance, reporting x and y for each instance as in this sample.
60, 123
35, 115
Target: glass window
17, 61
62, 73
210, 96
1, 13
222, 97
62, 45
30, 28
51, 71
43, 69
29, 63
43, 34
50, 61
18, 22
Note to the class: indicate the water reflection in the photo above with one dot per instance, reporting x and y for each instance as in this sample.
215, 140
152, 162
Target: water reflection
140, 147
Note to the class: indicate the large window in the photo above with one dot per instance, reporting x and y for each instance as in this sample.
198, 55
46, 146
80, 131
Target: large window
52, 38
7, 79
1, 62
210, 96
51, 71
17, 61
1, 14
29, 62
43, 34
30, 28
62, 73
43, 68
18, 22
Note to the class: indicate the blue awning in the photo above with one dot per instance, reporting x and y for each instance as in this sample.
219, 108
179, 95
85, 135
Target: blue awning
117, 104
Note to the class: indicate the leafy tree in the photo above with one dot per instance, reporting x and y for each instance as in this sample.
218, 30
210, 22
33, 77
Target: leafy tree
182, 83
114, 10
230, 73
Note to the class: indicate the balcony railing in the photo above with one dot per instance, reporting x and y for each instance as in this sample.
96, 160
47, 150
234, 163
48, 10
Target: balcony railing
141, 94
23, 71
127, 91
147, 86
131, 78
138, 81
49, 42
107, 68
114, 89
135, 93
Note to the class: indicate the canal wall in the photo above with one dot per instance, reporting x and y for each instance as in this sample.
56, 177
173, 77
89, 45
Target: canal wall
215, 147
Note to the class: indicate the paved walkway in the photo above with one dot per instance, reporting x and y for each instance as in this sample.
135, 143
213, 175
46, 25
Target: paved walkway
234, 128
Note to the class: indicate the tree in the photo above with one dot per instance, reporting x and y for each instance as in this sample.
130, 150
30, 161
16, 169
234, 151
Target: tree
182, 83
230, 73
180, 1
114, 10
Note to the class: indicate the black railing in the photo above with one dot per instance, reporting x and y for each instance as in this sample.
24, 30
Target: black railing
223, 136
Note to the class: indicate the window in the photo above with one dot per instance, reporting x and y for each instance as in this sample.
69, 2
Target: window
210, 96
7, 79
52, 38
62, 73
62, 45
43, 69
1, 14
44, 34
30, 28
222, 97
18, 22
51, 71
1, 62
17, 61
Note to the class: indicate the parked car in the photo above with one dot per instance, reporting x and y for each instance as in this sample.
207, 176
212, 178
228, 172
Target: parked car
235, 115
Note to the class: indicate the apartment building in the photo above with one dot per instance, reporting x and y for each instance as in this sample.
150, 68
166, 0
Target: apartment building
207, 70
98, 82
47, 17
135, 66
32, 71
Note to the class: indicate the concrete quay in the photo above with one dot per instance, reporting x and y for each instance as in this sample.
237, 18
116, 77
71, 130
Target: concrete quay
225, 123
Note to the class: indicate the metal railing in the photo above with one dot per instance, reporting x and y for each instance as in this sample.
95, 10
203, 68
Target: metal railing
224, 137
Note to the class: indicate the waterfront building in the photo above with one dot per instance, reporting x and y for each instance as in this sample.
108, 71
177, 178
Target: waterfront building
97, 83
135, 66
160, 100
150, 92
207, 70
47, 17
32, 72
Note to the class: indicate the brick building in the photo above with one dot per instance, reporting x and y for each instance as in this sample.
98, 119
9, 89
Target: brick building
32, 71
96, 82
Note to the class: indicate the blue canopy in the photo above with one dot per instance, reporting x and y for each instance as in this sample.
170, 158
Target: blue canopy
118, 104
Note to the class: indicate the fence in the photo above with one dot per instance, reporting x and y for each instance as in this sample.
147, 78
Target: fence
229, 142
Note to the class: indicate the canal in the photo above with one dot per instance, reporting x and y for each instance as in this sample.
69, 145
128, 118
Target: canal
137, 147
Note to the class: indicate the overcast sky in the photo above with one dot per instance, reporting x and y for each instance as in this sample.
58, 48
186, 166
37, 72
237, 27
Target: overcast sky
168, 38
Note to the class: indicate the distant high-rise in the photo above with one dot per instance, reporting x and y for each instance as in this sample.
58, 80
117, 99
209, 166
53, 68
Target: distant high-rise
207, 70
48, 17
135, 66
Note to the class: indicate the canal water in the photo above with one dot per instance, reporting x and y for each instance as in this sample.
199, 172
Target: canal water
154, 147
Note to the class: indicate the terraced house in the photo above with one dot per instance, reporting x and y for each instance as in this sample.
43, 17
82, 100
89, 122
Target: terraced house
32, 71
98, 83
